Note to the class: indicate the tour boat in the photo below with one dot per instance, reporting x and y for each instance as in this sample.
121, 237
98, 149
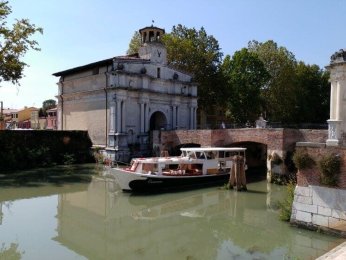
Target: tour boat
196, 167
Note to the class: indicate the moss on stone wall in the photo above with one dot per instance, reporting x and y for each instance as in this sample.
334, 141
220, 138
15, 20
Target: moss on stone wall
29, 149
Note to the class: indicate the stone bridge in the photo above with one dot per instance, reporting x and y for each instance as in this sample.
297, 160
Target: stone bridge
271, 146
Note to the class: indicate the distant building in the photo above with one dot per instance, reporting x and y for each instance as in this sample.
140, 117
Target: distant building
24, 117
121, 99
51, 119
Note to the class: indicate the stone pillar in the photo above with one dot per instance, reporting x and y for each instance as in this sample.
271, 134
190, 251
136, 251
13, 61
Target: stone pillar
123, 112
174, 117
142, 118
336, 124
118, 116
332, 100
339, 95
191, 117
146, 113
112, 118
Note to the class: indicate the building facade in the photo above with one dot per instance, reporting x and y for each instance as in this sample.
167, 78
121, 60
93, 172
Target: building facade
121, 99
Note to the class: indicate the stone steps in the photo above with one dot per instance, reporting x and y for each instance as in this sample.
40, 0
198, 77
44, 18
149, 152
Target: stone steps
337, 253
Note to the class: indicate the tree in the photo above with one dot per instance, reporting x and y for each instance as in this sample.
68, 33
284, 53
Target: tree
314, 93
280, 94
198, 53
246, 76
14, 43
135, 43
47, 104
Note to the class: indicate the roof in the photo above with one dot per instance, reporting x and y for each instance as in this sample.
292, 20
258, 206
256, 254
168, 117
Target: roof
84, 67
9, 111
151, 27
133, 57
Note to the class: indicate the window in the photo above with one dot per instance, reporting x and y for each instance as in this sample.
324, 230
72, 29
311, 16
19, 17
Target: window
158, 73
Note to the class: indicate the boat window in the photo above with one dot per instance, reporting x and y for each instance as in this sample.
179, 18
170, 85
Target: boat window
211, 155
149, 167
200, 155
192, 155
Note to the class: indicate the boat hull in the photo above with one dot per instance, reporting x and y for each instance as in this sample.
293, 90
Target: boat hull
150, 183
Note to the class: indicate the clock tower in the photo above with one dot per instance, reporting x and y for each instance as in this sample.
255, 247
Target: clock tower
151, 46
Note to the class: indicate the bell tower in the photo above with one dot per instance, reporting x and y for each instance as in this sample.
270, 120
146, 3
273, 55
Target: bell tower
151, 46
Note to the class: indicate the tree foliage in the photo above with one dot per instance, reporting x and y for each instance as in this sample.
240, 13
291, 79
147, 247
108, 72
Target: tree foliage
198, 53
134, 44
47, 104
313, 97
14, 43
280, 93
245, 76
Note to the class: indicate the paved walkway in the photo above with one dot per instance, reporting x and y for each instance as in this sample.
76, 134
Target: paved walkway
337, 253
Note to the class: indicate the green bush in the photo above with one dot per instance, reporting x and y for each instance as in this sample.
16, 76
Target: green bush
285, 206
329, 167
29, 149
302, 160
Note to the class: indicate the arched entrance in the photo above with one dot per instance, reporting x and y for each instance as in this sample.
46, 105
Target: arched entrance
158, 121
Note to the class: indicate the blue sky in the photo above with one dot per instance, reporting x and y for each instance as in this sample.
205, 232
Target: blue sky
78, 32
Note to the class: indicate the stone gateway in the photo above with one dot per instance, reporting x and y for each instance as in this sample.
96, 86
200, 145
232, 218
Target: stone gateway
122, 99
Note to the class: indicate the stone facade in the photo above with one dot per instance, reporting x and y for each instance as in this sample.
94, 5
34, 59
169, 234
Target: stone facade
320, 207
120, 100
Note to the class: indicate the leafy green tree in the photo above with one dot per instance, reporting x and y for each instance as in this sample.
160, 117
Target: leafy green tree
134, 44
314, 93
246, 76
14, 43
47, 104
198, 53
280, 94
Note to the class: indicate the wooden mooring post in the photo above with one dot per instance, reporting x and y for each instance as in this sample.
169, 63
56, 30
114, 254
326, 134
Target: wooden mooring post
237, 178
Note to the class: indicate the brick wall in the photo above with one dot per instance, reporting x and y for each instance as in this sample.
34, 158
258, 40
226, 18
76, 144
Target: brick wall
275, 139
311, 176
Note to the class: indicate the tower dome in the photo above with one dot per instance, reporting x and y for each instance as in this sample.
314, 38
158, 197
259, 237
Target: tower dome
151, 34
151, 46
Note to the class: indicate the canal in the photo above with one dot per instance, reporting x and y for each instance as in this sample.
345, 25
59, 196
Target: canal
85, 215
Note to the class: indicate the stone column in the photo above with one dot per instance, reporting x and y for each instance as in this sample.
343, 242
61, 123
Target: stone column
123, 111
146, 113
337, 69
118, 116
339, 94
332, 100
191, 117
194, 117
112, 118
142, 117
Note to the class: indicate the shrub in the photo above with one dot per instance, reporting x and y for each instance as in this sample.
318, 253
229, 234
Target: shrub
329, 167
303, 160
285, 206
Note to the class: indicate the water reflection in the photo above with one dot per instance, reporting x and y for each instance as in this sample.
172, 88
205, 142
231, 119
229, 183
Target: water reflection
104, 223
98, 221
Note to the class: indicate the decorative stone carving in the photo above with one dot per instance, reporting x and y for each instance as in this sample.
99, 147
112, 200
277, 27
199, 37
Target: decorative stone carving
339, 56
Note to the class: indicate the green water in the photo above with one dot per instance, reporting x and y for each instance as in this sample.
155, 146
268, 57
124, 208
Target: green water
72, 218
